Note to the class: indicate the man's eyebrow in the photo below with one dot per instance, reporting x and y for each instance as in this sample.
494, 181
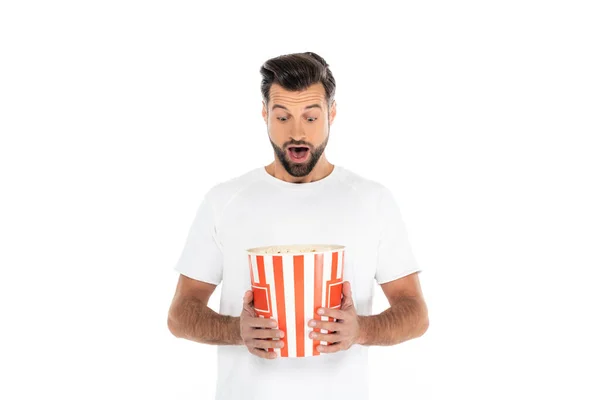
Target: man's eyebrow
306, 108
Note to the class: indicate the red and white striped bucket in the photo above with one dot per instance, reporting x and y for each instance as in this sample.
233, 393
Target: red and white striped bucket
290, 283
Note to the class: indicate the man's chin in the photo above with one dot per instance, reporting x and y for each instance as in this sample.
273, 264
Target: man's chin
298, 170
298, 173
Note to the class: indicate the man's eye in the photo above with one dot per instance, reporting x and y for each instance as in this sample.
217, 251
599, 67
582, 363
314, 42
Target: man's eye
282, 118
314, 119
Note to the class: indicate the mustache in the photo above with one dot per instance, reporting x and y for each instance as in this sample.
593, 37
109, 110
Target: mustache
297, 143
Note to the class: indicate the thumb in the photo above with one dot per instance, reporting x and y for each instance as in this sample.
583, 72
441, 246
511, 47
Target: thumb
248, 297
346, 294
346, 289
247, 306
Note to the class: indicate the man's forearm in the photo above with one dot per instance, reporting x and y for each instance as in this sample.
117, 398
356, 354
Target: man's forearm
406, 319
193, 320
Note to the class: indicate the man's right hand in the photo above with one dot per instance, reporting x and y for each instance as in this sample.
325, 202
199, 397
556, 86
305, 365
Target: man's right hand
257, 332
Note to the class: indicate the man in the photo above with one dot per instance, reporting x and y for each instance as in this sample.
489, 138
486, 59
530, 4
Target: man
300, 198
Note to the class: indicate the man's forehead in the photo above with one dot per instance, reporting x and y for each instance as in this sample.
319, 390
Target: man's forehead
314, 93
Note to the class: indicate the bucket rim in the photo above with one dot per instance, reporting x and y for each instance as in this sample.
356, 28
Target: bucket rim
319, 249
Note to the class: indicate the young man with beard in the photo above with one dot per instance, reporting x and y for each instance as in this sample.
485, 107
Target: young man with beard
299, 198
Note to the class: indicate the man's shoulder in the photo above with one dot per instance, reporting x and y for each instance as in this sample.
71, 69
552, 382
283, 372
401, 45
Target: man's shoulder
224, 190
361, 183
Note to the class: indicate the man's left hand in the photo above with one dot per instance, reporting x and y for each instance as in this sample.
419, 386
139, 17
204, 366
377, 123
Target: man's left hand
344, 332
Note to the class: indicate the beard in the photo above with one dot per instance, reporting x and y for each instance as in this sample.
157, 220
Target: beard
299, 170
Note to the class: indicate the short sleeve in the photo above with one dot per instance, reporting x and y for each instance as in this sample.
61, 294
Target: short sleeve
395, 258
202, 258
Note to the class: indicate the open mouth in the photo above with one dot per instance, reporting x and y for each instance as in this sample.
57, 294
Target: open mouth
298, 153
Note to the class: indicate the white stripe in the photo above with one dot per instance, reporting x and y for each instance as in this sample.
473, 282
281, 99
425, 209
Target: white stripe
339, 265
290, 312
309, 301
344, 276
327, 259
270, 278
254, 268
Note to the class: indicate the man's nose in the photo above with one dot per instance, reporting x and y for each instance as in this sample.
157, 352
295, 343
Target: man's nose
297, 132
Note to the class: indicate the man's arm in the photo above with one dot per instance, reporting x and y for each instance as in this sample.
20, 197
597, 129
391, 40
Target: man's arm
406, 319
191, 318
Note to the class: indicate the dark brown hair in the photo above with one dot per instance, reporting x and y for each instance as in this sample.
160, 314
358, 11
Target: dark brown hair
297, 72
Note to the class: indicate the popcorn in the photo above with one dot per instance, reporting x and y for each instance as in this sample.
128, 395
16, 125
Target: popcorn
286, 250
294, 249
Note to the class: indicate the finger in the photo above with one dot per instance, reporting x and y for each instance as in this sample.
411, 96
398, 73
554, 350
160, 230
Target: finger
267, 334
257, 322
330, 348
330, 326
329, 312
269, 355
265, 344
325, 337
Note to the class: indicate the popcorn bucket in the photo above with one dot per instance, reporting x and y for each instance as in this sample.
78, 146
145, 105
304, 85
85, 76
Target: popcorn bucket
290, 283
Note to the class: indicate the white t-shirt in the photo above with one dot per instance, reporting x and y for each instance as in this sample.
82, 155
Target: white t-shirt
257, 209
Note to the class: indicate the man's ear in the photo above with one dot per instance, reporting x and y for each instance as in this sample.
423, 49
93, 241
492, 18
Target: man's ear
332, 113
265, 115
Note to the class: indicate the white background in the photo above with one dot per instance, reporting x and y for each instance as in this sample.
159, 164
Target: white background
482, 117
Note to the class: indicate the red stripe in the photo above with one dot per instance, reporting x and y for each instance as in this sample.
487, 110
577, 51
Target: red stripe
280, 296
334, 262
260, 262
318, 295
299, 295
